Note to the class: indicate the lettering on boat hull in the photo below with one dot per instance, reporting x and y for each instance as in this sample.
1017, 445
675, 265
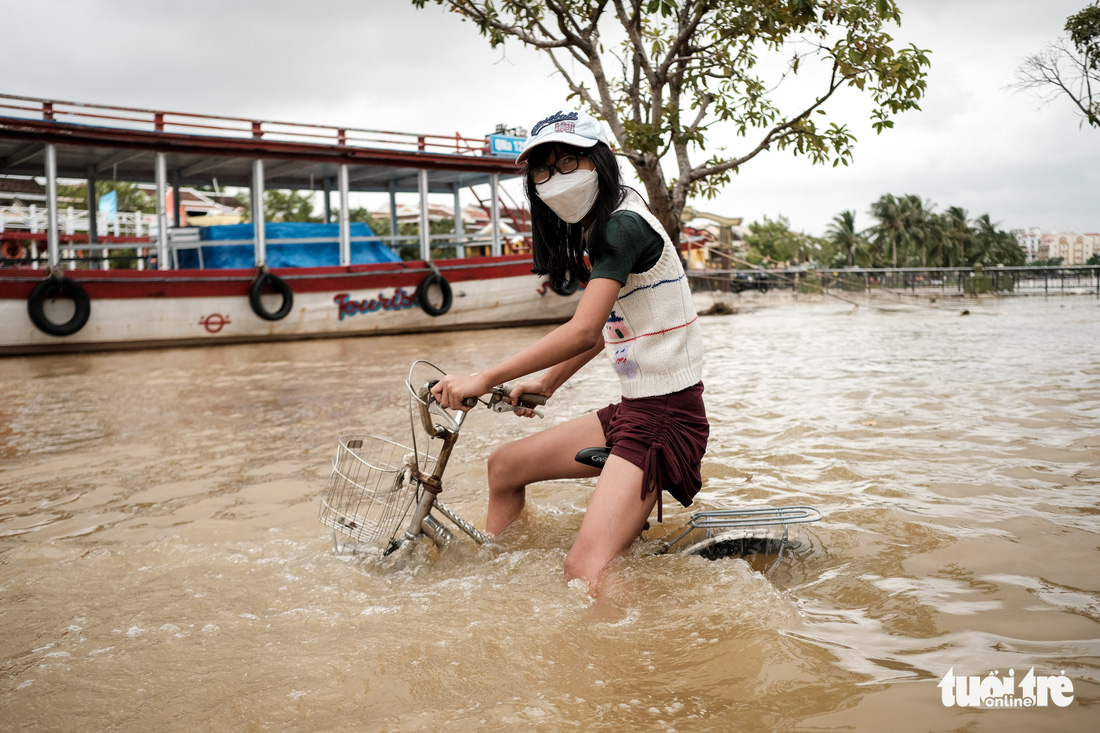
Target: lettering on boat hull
400, 300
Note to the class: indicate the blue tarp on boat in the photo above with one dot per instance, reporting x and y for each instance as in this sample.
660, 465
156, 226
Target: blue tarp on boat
310, 253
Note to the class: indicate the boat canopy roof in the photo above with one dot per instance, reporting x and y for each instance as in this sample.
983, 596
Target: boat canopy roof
121, 143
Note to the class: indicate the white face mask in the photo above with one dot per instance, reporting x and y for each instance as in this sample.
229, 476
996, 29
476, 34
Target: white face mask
570, 195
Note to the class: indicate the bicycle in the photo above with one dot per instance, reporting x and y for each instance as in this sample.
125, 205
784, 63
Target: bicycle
386, 495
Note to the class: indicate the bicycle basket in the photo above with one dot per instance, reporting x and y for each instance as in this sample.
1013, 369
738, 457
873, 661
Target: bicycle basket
371, 488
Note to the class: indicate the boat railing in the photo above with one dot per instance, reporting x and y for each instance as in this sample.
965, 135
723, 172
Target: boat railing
450, 244
137, 252
71, 220
188, 123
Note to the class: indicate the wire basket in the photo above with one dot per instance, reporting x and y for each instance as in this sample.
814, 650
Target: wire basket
372, 488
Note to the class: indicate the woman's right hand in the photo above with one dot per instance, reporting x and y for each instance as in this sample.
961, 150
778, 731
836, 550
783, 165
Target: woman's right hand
453, 389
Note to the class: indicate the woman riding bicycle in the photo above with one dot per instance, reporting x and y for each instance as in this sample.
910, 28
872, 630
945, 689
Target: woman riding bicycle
638, 308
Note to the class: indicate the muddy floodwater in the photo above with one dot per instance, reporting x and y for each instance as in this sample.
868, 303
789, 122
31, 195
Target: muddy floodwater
162, 566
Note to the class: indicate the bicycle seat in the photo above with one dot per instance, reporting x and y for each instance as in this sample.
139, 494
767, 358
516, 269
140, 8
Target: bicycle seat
595, 457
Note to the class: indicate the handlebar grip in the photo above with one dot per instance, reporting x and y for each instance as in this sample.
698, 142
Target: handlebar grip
528, 398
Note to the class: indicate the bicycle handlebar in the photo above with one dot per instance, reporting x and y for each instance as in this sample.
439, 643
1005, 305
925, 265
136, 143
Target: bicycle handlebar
529, 400
495, 402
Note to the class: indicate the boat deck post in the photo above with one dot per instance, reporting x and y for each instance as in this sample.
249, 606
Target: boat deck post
393, 213
161, 176
260, 243
494, 183
345, 217
425, 240
53, 249
460, 231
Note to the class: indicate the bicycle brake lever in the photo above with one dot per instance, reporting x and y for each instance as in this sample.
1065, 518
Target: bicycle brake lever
496, 404
437, 410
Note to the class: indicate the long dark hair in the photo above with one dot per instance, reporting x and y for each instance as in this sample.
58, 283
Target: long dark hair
558, 249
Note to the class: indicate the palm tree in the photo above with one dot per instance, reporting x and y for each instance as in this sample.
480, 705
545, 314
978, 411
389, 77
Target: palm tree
843, 235
955, 223
939, 240
916, 225
1012, 254
993, 246
983, 243
908, 228
1007, 250
890, 229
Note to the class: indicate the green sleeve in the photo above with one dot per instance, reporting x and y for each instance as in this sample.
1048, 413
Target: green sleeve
636, 247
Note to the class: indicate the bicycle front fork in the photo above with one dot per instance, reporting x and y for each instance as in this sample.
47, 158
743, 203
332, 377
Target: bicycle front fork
423, 522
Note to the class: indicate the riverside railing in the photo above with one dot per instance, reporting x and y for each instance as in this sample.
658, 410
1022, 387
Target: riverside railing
960, 281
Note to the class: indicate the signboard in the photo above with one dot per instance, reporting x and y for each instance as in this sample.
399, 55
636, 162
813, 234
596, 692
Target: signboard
506, 145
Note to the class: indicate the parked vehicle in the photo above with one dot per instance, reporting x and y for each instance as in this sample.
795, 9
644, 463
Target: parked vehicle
750, 280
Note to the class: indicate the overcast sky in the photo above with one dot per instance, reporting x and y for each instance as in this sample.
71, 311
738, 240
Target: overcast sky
382, 64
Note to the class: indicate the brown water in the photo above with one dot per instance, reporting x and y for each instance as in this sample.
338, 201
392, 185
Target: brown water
162, 567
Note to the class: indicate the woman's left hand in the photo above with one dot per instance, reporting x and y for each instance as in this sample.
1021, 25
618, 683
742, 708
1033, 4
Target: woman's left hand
453, 389
528, 386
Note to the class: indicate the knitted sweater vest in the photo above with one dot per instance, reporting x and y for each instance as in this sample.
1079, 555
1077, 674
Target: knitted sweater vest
652, 336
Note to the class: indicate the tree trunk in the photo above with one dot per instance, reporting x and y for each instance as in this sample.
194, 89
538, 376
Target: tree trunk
661, 200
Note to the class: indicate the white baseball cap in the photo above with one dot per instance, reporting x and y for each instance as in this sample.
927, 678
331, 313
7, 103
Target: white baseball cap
570, 127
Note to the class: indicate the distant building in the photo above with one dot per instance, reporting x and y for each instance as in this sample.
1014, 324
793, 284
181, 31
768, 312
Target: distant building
1029, 241
701, 249
1043, 252
201, 208
476, 225
1071, 247
19, 192
718, 244
474, 216
23, 206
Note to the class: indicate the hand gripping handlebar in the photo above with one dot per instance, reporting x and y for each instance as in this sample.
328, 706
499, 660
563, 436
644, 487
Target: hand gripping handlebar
494, 400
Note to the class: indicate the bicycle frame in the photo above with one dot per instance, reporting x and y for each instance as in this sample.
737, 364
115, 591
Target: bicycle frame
422, 521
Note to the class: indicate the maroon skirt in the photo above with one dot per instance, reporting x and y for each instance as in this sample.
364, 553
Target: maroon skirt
665, 436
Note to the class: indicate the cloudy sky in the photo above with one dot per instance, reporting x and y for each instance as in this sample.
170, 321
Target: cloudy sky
382, 64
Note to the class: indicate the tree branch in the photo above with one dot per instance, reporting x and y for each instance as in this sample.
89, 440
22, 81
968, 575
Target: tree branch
479, 16
1044, 70
777, 133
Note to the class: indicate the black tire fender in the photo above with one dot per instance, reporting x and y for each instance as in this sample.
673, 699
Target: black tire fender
265, 279
50, 289
435, 279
